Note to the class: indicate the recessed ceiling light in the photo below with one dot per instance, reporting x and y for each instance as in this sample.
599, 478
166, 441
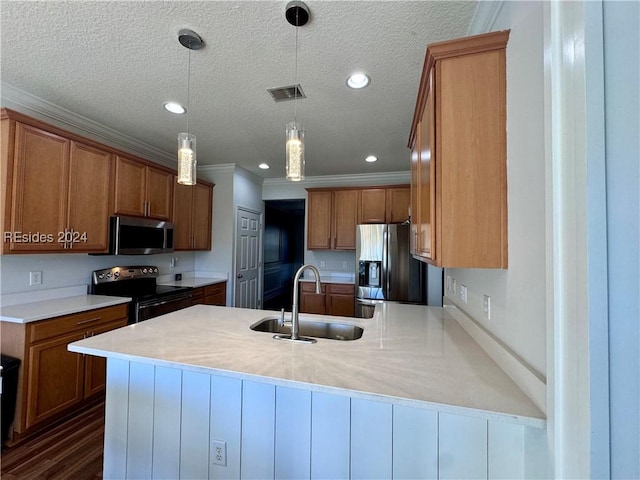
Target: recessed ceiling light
264, 166
371, 159
358, 80
174, 107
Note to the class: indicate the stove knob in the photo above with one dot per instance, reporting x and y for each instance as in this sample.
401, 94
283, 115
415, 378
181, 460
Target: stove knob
144, 270
108, 275
101, 276
116, 275
155, 270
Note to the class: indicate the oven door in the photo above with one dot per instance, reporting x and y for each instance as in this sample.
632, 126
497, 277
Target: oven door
159, 306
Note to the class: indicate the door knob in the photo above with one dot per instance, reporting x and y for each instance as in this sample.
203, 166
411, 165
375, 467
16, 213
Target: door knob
239, 275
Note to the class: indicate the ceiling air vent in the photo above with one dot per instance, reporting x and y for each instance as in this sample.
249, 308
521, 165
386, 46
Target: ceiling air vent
282, 94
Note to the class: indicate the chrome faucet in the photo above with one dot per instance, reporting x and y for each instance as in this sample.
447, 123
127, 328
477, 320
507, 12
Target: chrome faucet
295, 323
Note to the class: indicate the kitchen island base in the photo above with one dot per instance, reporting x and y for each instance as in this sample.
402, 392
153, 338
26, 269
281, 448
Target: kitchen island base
161, 422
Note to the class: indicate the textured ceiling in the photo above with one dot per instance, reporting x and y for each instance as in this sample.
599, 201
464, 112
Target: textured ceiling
117, 62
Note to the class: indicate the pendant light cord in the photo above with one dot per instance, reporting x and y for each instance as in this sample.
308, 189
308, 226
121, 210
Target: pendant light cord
295, 87
188, 88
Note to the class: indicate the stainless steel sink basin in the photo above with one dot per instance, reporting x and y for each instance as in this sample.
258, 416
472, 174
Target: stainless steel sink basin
310, 328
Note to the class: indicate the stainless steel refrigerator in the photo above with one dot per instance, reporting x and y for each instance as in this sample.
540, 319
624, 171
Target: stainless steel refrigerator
386, 271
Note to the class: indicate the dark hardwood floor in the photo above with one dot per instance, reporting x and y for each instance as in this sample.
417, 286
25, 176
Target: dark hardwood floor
69, 449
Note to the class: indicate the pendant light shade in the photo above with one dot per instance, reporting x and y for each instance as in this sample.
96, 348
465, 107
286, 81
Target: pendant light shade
187, 141
295, 152
186, 159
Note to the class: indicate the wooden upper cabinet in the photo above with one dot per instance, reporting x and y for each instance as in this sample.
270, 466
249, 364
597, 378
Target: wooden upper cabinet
90, 197
384, 204
192, 216
332, 216
345, 219
319, 219
159, 193
459, 130
373, 205
397, 204
142, 190
40, 167
130, 188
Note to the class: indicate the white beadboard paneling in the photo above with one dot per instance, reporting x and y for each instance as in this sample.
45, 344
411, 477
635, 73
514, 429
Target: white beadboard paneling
293, 433
226, 420
536, 454
116, 419
330, 436
258, 429
194, 434
166, 422
415, 443
505, 450
371, 439
139, 446
462, 447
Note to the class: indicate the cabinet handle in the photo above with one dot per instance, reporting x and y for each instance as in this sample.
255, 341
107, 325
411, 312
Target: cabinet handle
82, 322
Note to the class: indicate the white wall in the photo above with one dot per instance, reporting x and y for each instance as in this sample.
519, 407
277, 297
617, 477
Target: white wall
518, 309
71, 269
234, 187
622, 114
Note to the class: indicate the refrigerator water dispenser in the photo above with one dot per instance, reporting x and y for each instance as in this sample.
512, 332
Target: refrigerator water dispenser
370, 273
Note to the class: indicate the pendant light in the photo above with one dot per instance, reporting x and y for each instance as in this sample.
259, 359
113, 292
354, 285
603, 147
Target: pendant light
297, 14
187, 141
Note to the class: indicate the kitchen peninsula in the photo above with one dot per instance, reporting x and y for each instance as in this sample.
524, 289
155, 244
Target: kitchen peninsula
198, 394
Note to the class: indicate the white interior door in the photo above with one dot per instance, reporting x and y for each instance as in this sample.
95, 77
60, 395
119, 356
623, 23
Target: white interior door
248, 261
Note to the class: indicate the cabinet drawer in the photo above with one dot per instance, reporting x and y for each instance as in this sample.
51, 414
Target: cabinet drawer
341, 288
75, 322
215, 289
310, 287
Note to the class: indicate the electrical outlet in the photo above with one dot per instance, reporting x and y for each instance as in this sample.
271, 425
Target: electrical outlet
448, 285
35, 278
344, 264
487, 307
454, 286
463, 293
322, 264
219, 452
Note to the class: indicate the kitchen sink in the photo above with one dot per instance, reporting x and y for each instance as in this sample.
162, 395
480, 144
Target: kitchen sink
310, 328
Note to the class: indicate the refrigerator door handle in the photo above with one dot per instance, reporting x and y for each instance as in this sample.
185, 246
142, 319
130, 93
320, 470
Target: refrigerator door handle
385, 263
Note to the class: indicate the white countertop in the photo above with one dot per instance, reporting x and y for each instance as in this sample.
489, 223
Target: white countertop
40, 310
193, 282
408, 354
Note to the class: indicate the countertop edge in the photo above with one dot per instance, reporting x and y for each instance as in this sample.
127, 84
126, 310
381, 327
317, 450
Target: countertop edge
440, 407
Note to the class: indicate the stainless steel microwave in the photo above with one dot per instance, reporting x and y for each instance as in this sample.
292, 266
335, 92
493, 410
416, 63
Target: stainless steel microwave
139, 236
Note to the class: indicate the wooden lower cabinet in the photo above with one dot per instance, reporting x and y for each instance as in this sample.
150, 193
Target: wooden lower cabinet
335, 299
53, 381
215, 294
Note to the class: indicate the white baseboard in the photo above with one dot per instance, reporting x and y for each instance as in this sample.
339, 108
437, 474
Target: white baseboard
530, 381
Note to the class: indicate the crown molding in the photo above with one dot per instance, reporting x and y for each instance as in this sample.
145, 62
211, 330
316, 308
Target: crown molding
233, 168
28, 104
485, 16
384, 178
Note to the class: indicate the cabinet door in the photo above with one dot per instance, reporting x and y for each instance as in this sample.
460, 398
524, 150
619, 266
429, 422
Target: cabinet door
182, 215
427, 194
398, 200
311, 302
40, 187
342, 304
373, 205
319, 220
216, 294
345, 219
130, 187
202, 216
55, 378
90, 196
159, 193
95, 368
415, 188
